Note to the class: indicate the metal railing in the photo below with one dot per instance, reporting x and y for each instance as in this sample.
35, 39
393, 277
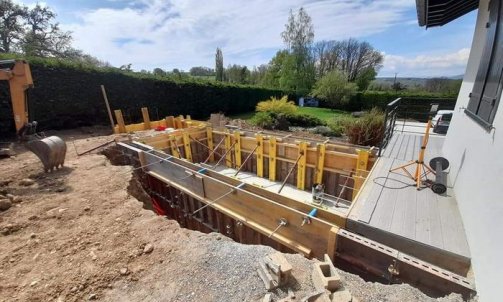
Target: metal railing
389, 123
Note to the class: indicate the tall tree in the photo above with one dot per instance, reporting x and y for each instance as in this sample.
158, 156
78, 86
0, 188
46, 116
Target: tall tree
11, 24
298, 37
237, 74
44, 37
219, 65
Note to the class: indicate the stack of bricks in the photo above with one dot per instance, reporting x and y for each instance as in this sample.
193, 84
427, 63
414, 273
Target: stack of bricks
274, 270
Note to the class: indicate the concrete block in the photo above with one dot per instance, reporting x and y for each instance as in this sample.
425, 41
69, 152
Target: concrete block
341, 296
326, 277
267, 298
285, 266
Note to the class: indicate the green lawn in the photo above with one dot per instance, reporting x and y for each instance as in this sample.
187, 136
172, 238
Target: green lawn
324, 114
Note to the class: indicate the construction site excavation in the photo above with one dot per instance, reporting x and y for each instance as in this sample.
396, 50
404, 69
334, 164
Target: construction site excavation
296, 195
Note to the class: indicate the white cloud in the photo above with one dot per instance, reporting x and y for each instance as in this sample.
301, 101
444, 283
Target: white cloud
185, 33
426, 65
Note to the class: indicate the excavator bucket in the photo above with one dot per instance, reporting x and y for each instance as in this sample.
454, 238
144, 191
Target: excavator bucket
51, 151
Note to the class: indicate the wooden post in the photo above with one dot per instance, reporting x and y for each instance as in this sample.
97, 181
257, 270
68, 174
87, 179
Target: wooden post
108, 107
272, 158
260, 155
301, 169
237, 148
188, 118
186, 145
120, 121
361, 168
209, 136
228, 156
170, 121
178, 123
332, 243
320, 164
146, 118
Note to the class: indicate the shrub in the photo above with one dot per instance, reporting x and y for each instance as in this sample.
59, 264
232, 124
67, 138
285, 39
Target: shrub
277, 106
367, 130
338, 126
270, 121
304, 120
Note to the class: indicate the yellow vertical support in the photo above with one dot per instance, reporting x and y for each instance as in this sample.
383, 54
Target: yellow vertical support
120, 121
361, 167
301, 166
186, 146
174, 150
188, 118
209, 136
146, 118
320, 164
237, 148
260, 155
228, 156
272, 158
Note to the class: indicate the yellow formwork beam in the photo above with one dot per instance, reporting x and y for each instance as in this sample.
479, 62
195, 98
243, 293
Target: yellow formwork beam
178, 123
120, 121
170, 122
228, 145
237, 148
361, 169
260, 155
320, 148
209, 136
146, 118
174, 147
186, 146
301, 167
272, 158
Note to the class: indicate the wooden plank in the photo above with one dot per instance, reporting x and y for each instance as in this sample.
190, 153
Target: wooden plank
321, 148
368, 203
272, 158
170, 121
403, 147
146, 118
120, 121
332, 243
391, 144
260, 155
453, 232
397, 146
301, 166
237, 148
174, 147
361, 169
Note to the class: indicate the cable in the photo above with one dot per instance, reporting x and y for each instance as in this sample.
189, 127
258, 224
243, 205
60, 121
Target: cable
393, 179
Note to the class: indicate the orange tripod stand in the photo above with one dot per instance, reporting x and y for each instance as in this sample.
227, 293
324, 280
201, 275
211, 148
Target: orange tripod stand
422, 170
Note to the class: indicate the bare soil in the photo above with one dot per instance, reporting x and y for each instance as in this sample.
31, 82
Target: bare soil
77, 234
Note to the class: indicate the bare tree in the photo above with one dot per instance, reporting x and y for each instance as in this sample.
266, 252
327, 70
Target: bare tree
351, 56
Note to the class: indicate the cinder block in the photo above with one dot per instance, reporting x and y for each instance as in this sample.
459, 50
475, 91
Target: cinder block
285, 266
342, 296
326, 277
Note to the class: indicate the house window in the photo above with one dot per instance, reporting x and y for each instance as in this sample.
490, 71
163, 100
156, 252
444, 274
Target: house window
484, 98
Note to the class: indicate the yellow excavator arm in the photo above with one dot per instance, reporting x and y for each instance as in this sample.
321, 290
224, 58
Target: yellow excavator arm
18, 73
50, 150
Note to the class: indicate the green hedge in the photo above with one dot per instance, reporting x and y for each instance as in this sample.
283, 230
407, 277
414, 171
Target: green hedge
68, 95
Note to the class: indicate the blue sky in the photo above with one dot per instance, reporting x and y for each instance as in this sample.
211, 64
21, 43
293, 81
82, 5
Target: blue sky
184, 33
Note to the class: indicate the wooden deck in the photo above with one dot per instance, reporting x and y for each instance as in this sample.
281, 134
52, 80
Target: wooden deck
390, 209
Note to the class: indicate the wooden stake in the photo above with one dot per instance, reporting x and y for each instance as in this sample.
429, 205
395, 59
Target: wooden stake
320, 164
120, 121
108, 107
237, 148
146, 118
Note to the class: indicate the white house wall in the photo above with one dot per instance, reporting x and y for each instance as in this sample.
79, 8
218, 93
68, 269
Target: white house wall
476, 157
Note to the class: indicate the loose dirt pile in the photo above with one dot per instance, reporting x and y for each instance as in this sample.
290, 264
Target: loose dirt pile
76, 234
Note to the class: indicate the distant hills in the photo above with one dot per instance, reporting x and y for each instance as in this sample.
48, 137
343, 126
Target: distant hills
409, 82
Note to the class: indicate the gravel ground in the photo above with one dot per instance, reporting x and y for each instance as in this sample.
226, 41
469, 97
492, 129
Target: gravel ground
76, 234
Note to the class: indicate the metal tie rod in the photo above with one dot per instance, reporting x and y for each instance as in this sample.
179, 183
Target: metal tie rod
220, 197
247, 158
282, 222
